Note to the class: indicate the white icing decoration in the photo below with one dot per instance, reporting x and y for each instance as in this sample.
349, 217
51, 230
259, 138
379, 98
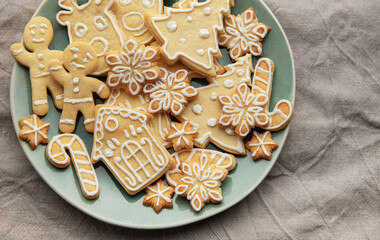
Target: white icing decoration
77, 65
107, 124
201, 52
213, 96
139, 130
42, 31
76, 90
67, 121
80, 158
43, 25
79, 100
89, 120
40, 102
103, 41
240, 72
189, 19
38, 40
181, 134
74, 50
75, 56
100, 23
172, 26
100, 89
40, 56
89, 55
159, 194
76, 80
148, 3
125, 2
197, 109
32, 32
139, 27
261, 144
108, 152
58, 68
204, 33
85, 60
229, 131
207, 11
32, 26
228, 83
59, 97
17, 52
182, 40
42, 75
41, 66
80, 30
211, 122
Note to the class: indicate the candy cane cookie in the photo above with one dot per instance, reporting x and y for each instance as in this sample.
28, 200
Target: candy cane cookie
56, 153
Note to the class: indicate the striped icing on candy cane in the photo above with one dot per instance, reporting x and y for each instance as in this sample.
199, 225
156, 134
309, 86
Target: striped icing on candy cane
56, 153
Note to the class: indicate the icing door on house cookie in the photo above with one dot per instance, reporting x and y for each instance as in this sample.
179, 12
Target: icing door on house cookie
126, 144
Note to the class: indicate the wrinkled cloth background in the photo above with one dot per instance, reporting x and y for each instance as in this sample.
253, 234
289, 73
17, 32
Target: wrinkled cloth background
326, 183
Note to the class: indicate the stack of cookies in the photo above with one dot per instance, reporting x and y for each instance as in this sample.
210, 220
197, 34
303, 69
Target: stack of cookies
150, 54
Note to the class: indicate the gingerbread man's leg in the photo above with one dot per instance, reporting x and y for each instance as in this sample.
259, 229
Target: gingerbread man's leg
87, 109
56, 92
68, 118
39, 96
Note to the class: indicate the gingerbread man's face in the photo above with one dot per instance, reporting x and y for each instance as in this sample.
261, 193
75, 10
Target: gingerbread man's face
38, 33
80, 57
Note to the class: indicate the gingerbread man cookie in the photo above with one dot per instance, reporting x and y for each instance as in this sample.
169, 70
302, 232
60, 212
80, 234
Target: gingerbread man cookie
38, 35
80, 60
34, 131
159, 196
190, 35
92, 23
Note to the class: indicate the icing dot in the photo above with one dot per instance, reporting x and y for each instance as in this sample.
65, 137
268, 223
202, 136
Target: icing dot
182, 40
108, 152
207, 11
139, 130
211, 122
240, 72
76, 80
40, 56
197, 109
201, 52
172, 26
75, 56
42, 31
76, 90
213, 96
229, 131
204, 33
228, 83
189, 19
41, 66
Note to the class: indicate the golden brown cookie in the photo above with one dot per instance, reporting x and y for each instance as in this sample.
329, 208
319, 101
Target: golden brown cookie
261, 145
159, 196
56, 154
34, 131
181, 135
38, 35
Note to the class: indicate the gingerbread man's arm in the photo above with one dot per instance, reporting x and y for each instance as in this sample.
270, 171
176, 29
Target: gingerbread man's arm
99, 87
21, 55
58, 72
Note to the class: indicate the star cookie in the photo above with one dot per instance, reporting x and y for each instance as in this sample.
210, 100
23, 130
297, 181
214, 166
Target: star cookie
159, 196
181, 135
243, 34
34, 131
261, 145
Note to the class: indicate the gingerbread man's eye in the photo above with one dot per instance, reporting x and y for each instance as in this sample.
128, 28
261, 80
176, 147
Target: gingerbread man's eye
32, 32
42, 31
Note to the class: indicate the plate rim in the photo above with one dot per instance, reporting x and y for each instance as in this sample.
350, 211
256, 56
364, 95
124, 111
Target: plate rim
153, 227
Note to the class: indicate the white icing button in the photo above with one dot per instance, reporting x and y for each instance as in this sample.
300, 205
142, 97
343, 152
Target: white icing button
182, 40
108, 152
197, 109
229, 131
204, 33
228, 83
211, 122
172, 26
207, 11
75, 56
139, 130
76, 90
213, 96
76, 80
40, 56
201, 52
189, 19
41, 66
240, 72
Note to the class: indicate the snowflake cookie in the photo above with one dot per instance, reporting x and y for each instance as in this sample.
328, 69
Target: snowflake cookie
34, 131
243, 110
133, 66
261, 145
201, 180
171, 93
159, 196
181, 135
243, 34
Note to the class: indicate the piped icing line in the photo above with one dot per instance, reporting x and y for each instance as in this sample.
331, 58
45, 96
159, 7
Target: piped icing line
35, 129
40, 102
81, 160
17, 52
42, 75
77, 100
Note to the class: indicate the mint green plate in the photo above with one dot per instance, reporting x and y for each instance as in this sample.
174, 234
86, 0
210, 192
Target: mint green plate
114, 205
